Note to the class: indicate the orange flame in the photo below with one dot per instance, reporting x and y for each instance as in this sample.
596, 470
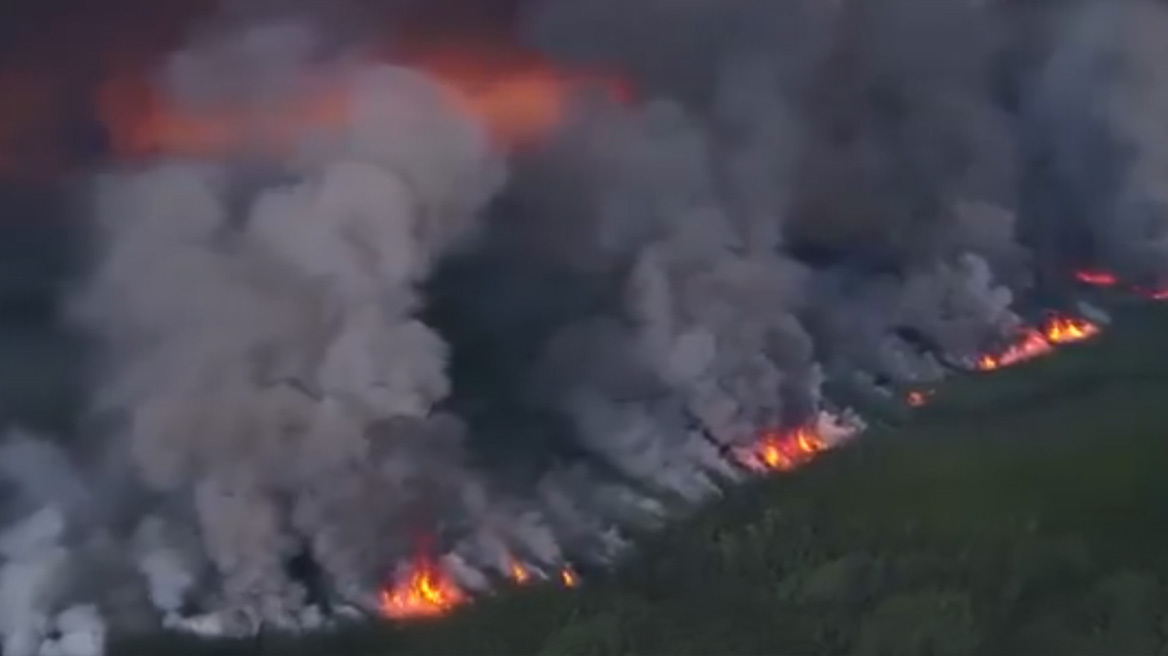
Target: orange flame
784, 451
519, 573
568, 578
426, 591
1036, 342
1067, 330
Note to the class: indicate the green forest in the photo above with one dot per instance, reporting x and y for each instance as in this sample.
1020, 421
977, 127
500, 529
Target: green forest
1023, 511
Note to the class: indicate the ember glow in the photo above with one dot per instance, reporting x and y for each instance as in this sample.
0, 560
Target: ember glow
1095, 278
1155, 294
1036, 342
425, 591
918, 398
517, 99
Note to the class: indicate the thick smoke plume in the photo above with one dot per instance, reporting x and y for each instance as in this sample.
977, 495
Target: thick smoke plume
262, 354
379, 328
1096, 136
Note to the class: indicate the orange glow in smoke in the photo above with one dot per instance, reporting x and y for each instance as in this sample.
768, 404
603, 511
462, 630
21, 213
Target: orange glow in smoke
425, 591
568, 578
1035, 342
518, 100
82, 79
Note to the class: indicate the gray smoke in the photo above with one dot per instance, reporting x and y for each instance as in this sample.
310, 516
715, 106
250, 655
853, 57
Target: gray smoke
390, 333
701, 347
864, 130
1095, 118
262, 358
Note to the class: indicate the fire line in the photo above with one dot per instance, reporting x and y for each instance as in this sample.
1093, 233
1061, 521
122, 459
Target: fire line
428, 591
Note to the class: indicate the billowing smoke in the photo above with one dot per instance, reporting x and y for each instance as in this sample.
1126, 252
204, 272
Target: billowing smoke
861, 138
1096, 139
262, 355
327, 342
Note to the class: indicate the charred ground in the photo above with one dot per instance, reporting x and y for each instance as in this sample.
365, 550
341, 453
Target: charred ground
1020, 512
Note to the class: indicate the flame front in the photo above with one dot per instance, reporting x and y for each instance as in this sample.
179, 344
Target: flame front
1035, 342
1067, 330
426, 591
784, 450
519, 573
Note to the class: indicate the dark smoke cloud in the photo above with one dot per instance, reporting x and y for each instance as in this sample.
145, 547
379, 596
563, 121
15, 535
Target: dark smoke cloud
1097, 185
397, 333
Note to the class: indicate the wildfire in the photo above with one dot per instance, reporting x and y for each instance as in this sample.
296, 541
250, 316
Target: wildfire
568, 578
519, 573
1067, 330
784, 451
1035, 342
426, 591
1096, 278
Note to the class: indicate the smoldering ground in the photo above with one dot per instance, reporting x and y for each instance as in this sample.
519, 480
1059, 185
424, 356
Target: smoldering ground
394, 329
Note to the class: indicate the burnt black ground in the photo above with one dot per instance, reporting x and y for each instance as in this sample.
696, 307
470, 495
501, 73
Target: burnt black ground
1022, 512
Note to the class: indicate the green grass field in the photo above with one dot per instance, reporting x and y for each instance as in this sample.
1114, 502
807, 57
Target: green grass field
1022, 512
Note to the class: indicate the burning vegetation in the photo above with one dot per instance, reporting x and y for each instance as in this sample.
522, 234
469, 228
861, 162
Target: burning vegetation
425, 591
1038, 341
1104, 279
534, 295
